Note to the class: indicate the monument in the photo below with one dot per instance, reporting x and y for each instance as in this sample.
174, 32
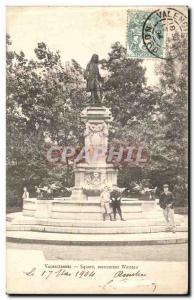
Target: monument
81, 213
91, 176
94, 173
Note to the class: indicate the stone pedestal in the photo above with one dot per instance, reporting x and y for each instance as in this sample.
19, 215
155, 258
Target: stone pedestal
91, 176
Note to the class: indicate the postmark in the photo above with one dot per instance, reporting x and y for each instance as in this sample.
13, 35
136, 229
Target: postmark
155, 34
163, 31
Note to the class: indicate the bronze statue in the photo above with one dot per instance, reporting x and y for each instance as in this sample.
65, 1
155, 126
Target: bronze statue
93, 78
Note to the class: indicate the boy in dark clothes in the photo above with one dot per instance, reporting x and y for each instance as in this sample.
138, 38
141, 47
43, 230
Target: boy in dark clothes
167, 204
115, 197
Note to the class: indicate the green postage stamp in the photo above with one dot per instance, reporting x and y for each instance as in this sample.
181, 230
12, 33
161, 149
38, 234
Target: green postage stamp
135, 45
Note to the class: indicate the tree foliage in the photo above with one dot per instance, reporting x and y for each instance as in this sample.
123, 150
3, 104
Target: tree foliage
41, 95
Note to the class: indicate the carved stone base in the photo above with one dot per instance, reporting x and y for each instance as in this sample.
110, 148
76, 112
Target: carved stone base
89, 179
95, 173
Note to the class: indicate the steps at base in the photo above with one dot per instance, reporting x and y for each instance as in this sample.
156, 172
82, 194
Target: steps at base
21, 228
19, 219
91, 230
100, 239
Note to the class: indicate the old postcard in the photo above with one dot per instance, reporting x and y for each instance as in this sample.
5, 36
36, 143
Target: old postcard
97, 150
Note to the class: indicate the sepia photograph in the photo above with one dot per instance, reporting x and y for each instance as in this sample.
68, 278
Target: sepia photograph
97, 150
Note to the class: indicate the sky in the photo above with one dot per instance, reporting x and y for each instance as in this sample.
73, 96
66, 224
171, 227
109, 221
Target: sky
77, 32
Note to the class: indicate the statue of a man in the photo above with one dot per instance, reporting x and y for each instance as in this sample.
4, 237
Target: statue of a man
93, 78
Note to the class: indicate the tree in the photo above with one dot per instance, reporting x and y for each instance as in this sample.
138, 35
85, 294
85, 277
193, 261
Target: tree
41, 95
173, 108
132, 103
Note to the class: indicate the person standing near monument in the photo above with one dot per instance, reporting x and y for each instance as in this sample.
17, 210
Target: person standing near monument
25, 194
105, 203
166, 202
